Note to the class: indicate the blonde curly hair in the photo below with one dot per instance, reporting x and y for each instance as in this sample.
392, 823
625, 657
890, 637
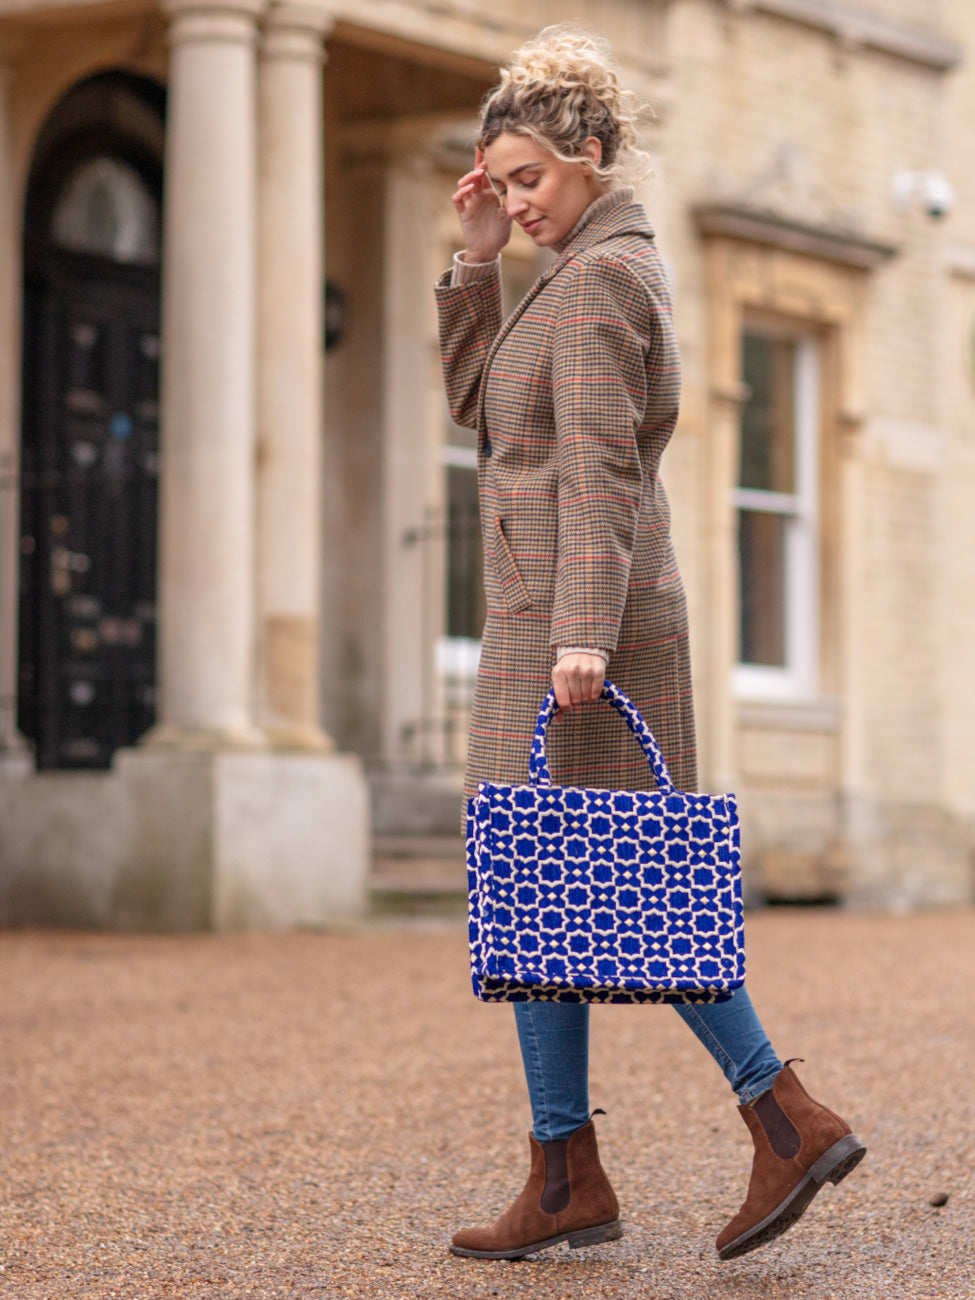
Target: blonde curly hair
561, 88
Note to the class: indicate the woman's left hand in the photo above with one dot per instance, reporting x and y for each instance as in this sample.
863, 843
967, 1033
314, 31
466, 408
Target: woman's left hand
578, 679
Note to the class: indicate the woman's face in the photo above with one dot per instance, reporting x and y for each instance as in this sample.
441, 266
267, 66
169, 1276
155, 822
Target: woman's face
545, 195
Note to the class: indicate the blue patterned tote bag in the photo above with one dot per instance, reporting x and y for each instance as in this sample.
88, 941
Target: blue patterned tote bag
601, 895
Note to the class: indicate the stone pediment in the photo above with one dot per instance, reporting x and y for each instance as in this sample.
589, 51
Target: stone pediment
786, 205
761, 226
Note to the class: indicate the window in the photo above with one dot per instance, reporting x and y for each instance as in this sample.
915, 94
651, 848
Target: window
106, 208
465, 585
776, 502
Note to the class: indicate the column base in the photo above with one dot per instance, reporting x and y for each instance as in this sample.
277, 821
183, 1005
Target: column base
311, 740
204, 740
178, 839
292, 738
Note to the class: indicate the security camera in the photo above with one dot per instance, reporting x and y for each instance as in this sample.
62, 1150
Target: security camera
931, 189
937, 194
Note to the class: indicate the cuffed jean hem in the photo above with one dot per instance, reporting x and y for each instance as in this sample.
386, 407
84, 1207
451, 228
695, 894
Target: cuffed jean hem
554, 1039
749, 1095
733, 1034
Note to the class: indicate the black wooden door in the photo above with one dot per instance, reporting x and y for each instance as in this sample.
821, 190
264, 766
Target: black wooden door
89, 505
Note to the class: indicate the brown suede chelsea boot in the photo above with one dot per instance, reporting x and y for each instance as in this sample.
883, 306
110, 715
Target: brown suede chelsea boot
567, 1198
799, 1145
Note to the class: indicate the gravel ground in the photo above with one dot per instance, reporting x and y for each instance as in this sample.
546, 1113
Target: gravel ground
274, 1116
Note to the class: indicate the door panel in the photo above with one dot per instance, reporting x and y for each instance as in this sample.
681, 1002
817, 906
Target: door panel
91, 464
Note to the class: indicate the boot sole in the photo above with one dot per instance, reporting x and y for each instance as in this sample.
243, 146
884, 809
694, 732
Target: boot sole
833, 1166
580, 1237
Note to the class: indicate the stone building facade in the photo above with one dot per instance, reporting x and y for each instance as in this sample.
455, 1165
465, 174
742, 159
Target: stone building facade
239, 593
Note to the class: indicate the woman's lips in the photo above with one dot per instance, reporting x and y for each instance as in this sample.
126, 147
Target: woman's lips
531, 226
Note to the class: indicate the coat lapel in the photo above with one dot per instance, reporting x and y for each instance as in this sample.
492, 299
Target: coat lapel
502, 334
624, 218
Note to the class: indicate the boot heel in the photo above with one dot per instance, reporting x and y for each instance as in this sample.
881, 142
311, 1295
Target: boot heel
841, 1159
593, 1236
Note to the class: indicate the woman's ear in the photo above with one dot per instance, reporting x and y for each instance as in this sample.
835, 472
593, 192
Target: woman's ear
593, 150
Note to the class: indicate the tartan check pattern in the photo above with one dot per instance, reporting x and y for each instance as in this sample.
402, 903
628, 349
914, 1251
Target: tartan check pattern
603, 896
574, 398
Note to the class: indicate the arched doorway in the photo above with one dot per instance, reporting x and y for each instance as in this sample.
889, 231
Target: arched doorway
90, 453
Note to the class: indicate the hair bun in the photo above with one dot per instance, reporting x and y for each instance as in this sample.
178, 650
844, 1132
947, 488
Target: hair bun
561, 88
562, 56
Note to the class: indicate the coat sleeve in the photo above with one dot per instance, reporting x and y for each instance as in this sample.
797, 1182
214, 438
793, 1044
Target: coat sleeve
599, 383
470, 318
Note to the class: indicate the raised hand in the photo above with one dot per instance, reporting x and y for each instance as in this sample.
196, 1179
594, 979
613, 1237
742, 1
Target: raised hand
483, 218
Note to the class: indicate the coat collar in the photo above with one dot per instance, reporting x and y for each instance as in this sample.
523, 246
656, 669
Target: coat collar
607, 203
623, 217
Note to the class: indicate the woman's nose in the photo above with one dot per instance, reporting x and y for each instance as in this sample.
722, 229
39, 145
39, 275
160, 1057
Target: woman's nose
514, 204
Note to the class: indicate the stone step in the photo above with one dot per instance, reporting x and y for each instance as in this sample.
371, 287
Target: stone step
418, 874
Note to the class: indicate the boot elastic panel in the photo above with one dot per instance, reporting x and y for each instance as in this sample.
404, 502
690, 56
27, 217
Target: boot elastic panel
782, 1134
557, 1193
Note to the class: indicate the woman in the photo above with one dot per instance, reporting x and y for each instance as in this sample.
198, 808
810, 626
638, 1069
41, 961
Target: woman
574, 398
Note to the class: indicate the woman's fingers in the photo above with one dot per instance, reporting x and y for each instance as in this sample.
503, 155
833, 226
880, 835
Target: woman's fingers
475, 179
469, 190
484, 222
578, 679
465, 186
478, 182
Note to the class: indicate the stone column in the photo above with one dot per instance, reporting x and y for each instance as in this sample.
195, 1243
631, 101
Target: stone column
412, 420
289, 404
206, 580
10, 333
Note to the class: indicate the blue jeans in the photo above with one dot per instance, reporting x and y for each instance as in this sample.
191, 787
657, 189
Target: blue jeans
554, 1038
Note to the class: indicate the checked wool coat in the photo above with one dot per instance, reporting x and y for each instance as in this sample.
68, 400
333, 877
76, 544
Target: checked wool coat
574, 399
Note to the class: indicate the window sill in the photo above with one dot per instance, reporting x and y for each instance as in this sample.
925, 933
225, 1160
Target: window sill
816, 713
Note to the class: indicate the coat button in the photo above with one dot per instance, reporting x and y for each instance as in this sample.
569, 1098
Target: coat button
487, 446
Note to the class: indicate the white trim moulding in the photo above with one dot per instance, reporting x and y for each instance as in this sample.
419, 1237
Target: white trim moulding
852, 26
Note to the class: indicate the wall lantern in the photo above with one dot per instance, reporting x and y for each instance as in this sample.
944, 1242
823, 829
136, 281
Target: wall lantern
335, 315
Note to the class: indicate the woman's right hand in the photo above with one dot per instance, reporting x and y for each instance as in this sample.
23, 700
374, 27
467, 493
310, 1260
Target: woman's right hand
577, 679
483, 219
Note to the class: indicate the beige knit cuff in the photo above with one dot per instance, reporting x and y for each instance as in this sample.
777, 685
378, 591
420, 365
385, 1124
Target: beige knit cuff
562, 651
464, 272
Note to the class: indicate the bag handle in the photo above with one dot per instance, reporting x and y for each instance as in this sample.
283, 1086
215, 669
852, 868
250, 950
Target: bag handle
538, 762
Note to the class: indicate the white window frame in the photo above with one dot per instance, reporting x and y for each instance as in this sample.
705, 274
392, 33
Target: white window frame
459, 457
457, 657
798, 677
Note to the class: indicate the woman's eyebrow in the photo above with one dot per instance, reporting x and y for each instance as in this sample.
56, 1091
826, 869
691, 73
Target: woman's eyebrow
514, 172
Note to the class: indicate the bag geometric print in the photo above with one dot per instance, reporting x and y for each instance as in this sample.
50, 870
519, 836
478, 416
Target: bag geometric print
600, 895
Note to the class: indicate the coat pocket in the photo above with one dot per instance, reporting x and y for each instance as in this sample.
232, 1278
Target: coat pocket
513, 589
